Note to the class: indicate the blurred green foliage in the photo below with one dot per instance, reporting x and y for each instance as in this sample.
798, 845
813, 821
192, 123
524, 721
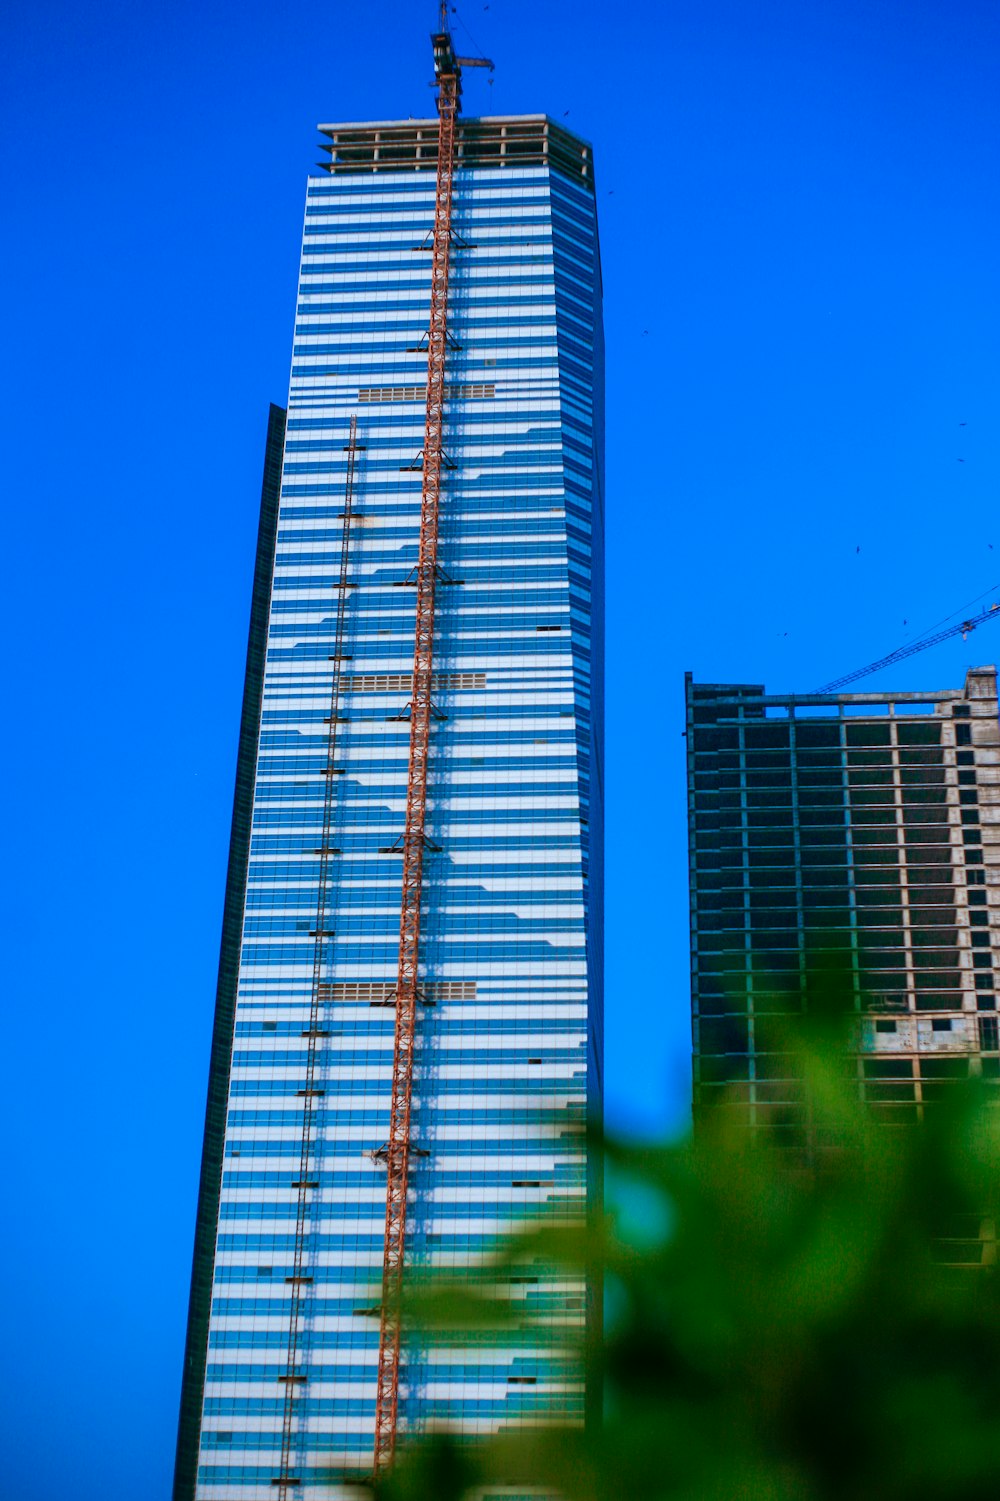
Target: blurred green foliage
815, 1322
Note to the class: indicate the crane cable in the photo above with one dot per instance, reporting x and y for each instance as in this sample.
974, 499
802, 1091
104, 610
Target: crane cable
969, 623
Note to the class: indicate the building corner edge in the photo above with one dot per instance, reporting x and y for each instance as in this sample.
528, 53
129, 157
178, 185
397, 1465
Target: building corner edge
209, 1188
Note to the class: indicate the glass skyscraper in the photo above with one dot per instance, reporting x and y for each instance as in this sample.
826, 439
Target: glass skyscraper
509, 1041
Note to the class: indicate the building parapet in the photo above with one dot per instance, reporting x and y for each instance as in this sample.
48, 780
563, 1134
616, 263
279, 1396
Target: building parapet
491, 141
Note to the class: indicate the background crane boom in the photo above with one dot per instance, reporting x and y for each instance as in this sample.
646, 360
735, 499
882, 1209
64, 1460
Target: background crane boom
963, 628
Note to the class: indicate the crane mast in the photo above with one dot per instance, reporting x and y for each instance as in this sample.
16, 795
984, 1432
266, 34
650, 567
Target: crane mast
447, 69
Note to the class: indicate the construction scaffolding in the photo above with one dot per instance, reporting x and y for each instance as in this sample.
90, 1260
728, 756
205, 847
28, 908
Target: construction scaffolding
300, 1280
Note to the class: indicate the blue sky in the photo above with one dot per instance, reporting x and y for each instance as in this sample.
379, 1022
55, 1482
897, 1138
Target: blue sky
799, 223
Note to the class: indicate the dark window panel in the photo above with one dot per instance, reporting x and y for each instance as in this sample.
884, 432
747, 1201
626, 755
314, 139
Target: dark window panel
883, 982
864, 839
780, 1092
931, 873
827, 904
723, 1035
989, 1034
923, 776
871, 797
774, 896
823, 778
932, 896
873, 817
874, 899
776, 780
873, 917
952, 1067
706, 739
897, 1093
939, 1000
918, 734
877, 883
726, 899
767, 736
816, 736
719, 1069
830, 819
776, 981
867, 734
777, 920
826, 875
932, 856
716, 948
887, 1068
714, 922
818, 841
718, 984
761, 801
927, 757
771, 1062
916, 815
728, 803
721, 878
732, 1004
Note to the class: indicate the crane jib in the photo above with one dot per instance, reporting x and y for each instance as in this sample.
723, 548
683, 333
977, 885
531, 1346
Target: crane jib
992, 612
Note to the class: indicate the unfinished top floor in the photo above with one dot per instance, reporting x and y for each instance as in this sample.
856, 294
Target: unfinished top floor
494, 141
730, 703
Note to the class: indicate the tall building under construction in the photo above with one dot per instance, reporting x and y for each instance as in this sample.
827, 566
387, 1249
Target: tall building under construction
408, 1030
855, 830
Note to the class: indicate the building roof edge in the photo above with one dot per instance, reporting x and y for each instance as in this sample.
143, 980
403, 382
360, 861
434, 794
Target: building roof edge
431, 120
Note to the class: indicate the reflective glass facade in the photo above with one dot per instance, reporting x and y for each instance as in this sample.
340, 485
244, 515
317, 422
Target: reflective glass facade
510, 1037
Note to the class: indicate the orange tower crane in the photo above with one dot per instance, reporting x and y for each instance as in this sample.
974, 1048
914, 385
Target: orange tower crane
448, 75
